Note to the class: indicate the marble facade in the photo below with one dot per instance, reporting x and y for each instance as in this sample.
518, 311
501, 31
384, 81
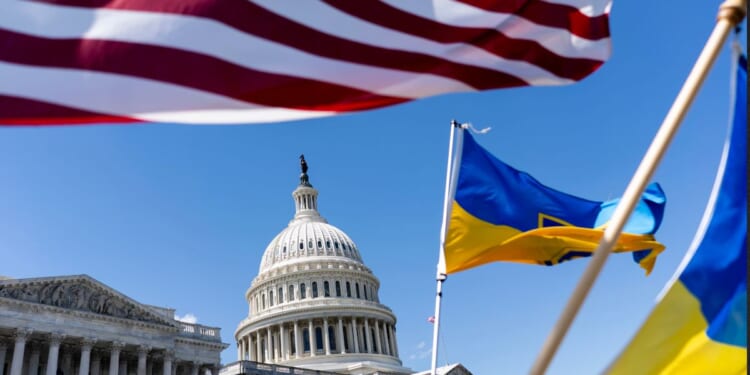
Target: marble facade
75, 325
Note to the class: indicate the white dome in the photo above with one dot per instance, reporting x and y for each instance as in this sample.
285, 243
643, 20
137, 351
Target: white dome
304, 239
314, 303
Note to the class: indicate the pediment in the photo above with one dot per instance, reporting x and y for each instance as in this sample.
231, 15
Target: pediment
80, 293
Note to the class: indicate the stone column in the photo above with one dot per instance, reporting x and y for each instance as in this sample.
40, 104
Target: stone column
33, 359
282, 343
249, 347
386, 339
340, 336
350, 340
394, 343
355, 334
311, 337
114, 359
167, 365
241, 349
21, 335
276, 348
297, 341
378, 340
54, 351
326, 339
269, 346
83, 368
258, 354
3, 351
96, 363
368, 337
142, 357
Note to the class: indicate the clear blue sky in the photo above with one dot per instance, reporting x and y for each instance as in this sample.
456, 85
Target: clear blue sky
179, 216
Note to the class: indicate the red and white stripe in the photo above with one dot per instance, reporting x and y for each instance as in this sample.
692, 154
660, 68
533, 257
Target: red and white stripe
236, 61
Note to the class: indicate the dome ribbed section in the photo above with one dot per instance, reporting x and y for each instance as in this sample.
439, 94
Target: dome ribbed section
302, 240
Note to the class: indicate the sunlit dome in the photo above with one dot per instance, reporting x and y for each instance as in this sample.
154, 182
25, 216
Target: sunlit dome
314, 303
308, 235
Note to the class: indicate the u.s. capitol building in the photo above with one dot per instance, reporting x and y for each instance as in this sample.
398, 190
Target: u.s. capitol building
314, 303
312, 309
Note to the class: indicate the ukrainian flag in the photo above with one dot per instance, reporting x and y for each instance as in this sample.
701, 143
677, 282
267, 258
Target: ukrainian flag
700, 325
502, 214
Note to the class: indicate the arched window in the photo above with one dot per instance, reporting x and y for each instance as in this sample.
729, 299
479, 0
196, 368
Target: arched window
331, 339
328, 244
309, 244
314, 289
338, 289
356, 287
301, 245
290, 295
348, 290
263, 298
305, 340
336, 245
281, 295
364, 289
270, 298
326, 289
318, 338
302, 291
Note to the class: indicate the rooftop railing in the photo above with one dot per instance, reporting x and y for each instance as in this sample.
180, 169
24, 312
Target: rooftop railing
200, 331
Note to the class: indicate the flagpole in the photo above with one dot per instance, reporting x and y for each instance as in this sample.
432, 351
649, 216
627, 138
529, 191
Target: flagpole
731, 12
451, 174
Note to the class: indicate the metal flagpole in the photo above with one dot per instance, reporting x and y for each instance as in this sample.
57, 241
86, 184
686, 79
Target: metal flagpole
451, 174
731, 12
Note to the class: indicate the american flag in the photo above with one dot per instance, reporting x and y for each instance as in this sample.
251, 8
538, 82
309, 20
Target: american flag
236, 61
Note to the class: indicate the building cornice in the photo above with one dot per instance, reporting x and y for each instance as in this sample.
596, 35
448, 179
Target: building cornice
38, 307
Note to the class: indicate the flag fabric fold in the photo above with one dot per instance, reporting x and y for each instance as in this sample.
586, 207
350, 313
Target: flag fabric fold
237, 61
502, 214
700, 324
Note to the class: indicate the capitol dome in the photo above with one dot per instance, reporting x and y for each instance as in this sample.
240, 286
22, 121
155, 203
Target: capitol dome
314, 303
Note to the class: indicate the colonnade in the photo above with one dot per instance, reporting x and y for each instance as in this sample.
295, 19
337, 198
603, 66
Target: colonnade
43, 353
318, 336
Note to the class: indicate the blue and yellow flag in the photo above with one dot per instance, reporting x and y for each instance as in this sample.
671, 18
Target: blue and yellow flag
700, 326
502, 214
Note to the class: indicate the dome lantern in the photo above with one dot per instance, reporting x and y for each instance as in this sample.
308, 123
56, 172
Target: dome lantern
305, 197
